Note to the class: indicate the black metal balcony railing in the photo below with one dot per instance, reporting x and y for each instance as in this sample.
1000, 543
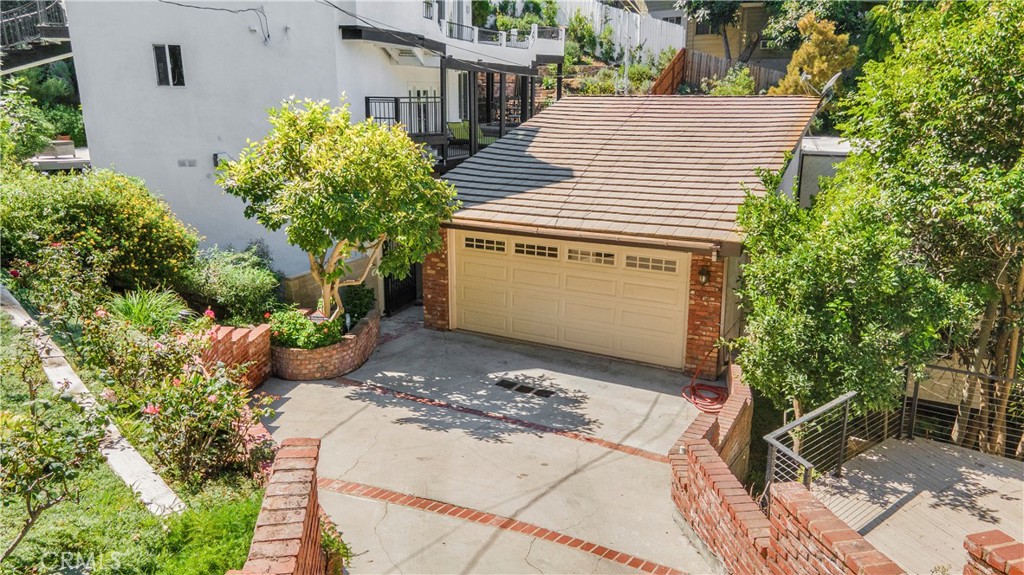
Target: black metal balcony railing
420, 115
520, 40
428, 9
548, 32
488, 36
460, 31
29, 22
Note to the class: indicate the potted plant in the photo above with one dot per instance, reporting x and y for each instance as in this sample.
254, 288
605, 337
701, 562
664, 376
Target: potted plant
337, 188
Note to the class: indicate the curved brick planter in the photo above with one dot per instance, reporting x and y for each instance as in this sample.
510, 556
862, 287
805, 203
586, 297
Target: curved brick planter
337, 359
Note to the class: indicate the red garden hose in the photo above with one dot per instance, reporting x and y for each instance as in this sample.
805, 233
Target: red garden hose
707, 398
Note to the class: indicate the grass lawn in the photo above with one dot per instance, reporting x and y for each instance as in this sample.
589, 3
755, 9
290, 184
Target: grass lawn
108, 531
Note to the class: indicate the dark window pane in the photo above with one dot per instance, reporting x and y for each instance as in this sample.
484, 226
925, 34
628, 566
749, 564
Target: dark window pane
162, 77
177, 71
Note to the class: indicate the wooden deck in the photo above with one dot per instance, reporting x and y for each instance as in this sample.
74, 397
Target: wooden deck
917, 500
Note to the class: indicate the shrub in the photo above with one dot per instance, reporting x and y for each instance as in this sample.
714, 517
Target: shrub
737, 82
581, 31
601, 83
24, 129
66, 120
606, 45
198, 422
665, 58
240, 286
572, 53
291, 328
99, 211
359, 300
155, 310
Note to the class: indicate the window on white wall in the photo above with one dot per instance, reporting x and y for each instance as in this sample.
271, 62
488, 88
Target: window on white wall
673, 19
169, 69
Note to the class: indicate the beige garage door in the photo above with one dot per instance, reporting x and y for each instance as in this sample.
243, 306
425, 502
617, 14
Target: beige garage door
617, 301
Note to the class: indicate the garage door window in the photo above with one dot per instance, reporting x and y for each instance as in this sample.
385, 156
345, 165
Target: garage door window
591, 257
536, 250
652, 264
486, 245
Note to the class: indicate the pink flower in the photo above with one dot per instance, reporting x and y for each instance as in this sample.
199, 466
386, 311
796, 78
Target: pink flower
176, 382
211, 334
265, 316
158, 346
212, 398
56, 245
209, 313
100, 312
151, 409
108, 395
17, 274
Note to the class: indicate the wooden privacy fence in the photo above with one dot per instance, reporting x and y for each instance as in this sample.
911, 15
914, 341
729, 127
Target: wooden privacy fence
691, 67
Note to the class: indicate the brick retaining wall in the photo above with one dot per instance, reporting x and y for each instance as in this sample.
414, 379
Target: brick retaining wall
352, 351
801, 536
993, 553
234, 346
287, 536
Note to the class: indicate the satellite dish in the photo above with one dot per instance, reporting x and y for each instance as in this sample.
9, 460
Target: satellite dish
831, 83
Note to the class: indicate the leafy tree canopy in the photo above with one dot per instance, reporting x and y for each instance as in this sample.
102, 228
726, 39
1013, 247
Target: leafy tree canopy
782, 29
719, 14
822, 54
337, 187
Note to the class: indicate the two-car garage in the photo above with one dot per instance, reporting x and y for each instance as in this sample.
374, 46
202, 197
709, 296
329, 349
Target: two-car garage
618, 301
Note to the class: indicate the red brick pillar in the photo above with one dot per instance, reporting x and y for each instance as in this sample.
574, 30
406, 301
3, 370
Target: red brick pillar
704, 316
993, 553
435, 287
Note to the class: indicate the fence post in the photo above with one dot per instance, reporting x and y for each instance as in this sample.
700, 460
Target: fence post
808, 474
398, 108
903, 406
913, 408
842, 445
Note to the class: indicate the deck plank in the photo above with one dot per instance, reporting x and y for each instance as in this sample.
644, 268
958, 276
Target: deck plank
917, 500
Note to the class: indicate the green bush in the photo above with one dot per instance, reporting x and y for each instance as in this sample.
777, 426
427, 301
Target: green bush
581, 31
359, 300
572, 53
239, 286
601, 83
291, 328
606, 45
155, 310
24, 129
98, 211
66, 121
737, 82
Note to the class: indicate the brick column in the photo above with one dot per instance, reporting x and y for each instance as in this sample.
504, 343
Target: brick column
993, 553
704, 316
435, 287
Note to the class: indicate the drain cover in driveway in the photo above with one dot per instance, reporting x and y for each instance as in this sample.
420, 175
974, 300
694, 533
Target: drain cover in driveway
513, 385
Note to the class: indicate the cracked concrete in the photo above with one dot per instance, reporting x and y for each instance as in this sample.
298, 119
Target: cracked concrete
584, 490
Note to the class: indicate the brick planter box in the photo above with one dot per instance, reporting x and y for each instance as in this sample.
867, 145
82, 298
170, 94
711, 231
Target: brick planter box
334, 360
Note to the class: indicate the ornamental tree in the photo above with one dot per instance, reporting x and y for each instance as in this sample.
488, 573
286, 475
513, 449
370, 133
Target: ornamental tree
338, 188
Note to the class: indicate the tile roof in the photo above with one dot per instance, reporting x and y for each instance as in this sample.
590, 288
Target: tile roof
664, 170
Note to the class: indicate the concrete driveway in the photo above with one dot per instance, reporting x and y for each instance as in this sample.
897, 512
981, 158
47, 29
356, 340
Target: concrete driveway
428, 465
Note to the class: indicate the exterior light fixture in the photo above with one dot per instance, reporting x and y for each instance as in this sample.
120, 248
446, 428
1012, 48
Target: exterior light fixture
704, 275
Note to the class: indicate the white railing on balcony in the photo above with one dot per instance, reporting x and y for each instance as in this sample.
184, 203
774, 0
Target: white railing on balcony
522, 39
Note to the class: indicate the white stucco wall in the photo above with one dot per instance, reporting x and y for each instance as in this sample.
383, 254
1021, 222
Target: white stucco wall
231, 78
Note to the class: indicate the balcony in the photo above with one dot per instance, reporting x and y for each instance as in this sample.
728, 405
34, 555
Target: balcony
33, 32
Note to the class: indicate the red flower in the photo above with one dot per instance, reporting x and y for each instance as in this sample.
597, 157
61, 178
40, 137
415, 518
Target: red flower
56, 245
151, 409
15, 274
266, 315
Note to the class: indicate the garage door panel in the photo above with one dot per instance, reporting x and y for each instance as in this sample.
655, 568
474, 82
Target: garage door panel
650, 292
596, 340
484, 295
650, 319
482, 321
474, 269
535, 277
590, 285
589, 311
534, 330
535, 303
636, 313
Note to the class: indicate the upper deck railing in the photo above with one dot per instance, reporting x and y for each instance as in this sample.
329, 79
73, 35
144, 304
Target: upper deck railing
32, 21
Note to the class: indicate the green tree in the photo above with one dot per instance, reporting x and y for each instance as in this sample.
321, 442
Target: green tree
337, 187
939, 125
782, 29
834, 299
822, 54
720, 14
738, 82
44, 445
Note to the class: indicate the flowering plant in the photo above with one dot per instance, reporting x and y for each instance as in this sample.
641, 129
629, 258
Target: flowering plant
201, 421
291, 328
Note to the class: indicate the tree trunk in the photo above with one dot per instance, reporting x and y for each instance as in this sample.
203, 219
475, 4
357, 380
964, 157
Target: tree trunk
1005, 388
965, 429
725, 43
748, 51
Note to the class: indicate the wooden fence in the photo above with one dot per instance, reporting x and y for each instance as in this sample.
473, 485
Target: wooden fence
690, 67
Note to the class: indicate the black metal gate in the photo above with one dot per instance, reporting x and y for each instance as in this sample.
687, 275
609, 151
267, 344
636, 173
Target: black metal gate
399, 293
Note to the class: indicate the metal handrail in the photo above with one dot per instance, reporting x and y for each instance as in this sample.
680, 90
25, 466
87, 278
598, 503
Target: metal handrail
811, 415
460, 31
22, 25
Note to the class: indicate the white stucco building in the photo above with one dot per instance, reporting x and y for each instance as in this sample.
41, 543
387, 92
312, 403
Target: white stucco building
168, 88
